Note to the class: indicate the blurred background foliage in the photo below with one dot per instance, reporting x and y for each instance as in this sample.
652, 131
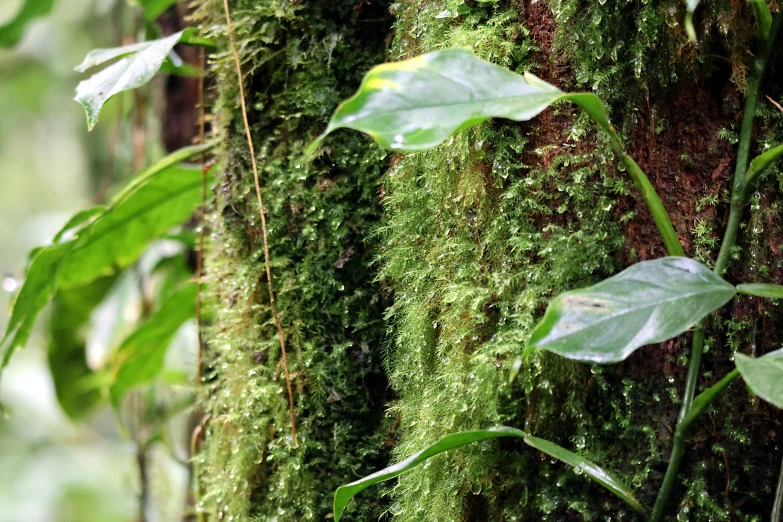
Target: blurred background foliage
52, 467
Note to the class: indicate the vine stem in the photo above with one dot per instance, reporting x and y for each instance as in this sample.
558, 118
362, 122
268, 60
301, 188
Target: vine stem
777, 507
688, 415
272, 306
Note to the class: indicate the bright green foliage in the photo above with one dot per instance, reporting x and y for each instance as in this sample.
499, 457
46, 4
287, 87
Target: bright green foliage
137, 65
67, 356
763, 375
154, 8
12, 32
140, 357
344, 494
301, 59
647, 303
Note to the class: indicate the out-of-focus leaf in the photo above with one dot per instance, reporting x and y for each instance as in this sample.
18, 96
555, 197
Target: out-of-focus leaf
38, 288
67, 358
763, 375
140, 358
646, 303
344, 494
12, 32
157, 200
78, 219
138, 64
154, 8
761, 290
592, 471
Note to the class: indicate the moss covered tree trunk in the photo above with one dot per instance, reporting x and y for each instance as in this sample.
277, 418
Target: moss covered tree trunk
407, 284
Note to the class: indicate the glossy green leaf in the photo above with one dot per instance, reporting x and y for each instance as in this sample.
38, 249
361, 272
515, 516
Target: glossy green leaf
71, 313
761, 290
12, 32
140, 357
38, 288
416, 104
590, 470
137, 65
646, 303
344, 494
761, 163
763, 375
155, 201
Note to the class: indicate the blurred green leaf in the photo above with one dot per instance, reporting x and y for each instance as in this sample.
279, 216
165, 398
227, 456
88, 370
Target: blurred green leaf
39, 287
140, 358
154, 8
138, 64
646, 303
763, 375
78, 219
71, 314
163, 196
12, 32
344, 494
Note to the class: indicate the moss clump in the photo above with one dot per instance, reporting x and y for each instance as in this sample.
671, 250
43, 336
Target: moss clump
300, 59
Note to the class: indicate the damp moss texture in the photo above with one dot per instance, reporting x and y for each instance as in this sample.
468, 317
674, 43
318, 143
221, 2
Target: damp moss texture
408, 284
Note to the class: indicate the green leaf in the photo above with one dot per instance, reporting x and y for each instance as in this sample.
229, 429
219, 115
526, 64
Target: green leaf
344, 494
760, 164
154, 8
594, 472
138, 64
416, 104
67, 346
79, 219
12, 32
647, 303
158, 199
763, 375
140, 357
761, 290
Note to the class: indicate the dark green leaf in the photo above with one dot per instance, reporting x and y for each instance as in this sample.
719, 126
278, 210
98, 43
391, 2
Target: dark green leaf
762, 290
67, 346
140, 358
138, 64
344, 494
647, 303
763, 375
591, 470
39, 287
155, 201
418, 103
12, 32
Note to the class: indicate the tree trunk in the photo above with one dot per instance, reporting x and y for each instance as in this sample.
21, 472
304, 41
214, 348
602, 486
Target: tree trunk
407, 284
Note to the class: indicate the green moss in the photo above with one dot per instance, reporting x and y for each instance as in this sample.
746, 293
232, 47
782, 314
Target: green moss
299, 60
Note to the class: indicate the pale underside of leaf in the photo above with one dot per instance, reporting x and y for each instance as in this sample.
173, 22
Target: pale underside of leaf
647, 303
763, 375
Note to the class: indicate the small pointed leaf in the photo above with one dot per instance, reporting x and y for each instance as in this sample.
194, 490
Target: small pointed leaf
344, 494
138, 64
12, 32
416, 104
761, 290
647, 303
763, 375
592, 471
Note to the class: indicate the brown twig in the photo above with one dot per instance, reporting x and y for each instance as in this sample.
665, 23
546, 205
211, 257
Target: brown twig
280, 334
776, 104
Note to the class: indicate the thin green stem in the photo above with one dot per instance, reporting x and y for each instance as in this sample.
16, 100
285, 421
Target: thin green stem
777, 507
689, 412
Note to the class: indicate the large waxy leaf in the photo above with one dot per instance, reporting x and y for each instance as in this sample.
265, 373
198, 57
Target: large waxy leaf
763, 375
416, 104
344, 494
647, 303
140, 357
12, 32
596, 473
71, 315
138, 64
155, 201
761, 290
